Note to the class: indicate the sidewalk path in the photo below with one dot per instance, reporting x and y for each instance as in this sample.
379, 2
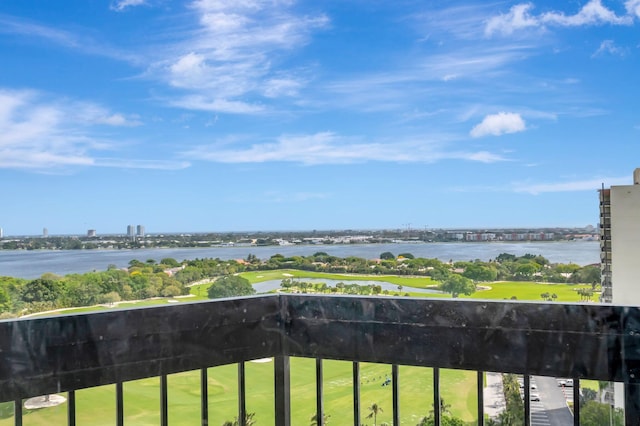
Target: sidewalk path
494, 402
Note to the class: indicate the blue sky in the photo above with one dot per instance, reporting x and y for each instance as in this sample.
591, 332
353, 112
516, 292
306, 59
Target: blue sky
232, 115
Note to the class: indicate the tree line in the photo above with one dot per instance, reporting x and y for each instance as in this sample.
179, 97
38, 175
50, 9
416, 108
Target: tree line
169, 278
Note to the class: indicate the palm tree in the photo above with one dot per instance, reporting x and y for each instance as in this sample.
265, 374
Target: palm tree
444, 407
314, 420
375, 410
248, 420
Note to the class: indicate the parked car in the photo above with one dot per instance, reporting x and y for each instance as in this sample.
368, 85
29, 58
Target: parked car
534, 397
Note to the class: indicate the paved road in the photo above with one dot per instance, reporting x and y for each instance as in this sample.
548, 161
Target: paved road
554, 401
552, 409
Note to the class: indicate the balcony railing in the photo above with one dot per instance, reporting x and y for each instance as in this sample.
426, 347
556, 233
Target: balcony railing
67, 353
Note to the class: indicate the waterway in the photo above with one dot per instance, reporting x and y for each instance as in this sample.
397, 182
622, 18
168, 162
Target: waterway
267, 286
33, 263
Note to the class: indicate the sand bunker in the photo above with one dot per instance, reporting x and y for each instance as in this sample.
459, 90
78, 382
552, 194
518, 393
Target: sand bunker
44, 401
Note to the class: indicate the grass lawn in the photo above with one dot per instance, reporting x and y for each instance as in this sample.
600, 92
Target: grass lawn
96, 406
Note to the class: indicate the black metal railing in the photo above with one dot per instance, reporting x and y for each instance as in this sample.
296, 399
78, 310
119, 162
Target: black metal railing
67, 353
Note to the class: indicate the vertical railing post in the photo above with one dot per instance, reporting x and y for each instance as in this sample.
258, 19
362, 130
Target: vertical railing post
204, 397
282, 390
527, 399
576, 402
631, 403
71, 408
480, 390
356, 394
436, 396
17, 412
394, 393
119, 404
319, 392
164, 401
242, 401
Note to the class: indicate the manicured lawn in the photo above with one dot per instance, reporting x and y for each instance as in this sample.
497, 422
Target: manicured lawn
96, 406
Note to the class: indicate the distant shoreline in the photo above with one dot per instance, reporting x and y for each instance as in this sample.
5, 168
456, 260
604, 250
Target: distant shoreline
33, 263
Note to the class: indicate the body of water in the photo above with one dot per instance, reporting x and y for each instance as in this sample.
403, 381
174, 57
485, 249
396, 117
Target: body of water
267, 286
34, 263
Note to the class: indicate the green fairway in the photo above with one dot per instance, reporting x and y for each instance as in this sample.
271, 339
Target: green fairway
96, 406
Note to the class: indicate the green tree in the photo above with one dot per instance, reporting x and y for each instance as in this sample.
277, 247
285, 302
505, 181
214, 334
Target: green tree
170, 262
597, 414
230, 286
445, 420
457, 285
374, 410
41, 290
314, 419
387, 255
249, 420
479, 272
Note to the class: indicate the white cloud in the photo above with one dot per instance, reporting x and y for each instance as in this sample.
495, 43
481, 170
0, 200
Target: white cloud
570, 186
499, 124
633, 7
121, 5
212, 104
517, 18
608, 47
229, 62
593, 12
330, 148
43, 134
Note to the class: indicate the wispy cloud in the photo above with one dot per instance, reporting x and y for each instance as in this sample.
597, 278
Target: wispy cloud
284, 197
330, 148
121, 5
499, 124
82, 43
228, 63
608, 47
42, 134
570, 186
593, 12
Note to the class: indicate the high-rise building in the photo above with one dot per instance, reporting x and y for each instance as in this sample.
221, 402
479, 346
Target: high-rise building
1, 233
619, 242
131, 231
140, 230
91, 233
45, 232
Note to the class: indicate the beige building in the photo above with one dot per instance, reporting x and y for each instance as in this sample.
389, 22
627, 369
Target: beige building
620, 242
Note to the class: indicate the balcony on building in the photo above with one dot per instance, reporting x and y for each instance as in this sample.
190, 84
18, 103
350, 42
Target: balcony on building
68, 353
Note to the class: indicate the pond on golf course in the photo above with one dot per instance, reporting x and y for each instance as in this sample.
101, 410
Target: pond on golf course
267, 286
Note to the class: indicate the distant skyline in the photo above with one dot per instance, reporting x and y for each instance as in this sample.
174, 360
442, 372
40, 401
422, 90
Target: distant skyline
228, 115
